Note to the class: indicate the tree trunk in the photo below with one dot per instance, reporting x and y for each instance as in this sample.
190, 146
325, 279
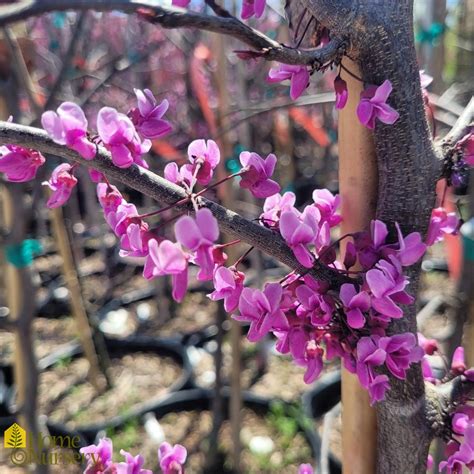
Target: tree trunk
381, 41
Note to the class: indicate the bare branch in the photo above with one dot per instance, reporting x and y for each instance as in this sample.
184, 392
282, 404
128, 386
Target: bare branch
20, 68
67, 60
168, 193
460, 129
179, 18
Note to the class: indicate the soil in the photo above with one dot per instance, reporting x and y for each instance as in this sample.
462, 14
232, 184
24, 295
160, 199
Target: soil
49, 335
66, 396
279, 367
55, 464
192, 429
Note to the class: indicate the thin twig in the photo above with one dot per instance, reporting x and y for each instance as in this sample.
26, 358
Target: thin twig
21, 70
66, 61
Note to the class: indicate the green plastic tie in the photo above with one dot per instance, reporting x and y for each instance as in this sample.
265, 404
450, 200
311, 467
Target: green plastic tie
21, 255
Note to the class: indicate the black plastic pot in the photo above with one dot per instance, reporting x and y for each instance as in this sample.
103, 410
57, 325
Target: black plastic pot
323, 396
160, 347
7, 382
201, 399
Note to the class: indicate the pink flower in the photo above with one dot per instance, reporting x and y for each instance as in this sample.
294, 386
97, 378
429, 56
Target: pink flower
373, 104
120, 137
370, 354
167, 258
20, 164
95, 176
355, 304
275, 205
134, 242
371, 247
298, 75
411, 247
199, 235
377, 388
460, 454
313, 361
228, 284
68, 126
257, 173
172, 458
252, 8
109, 197
62, 183
262, 310
430, 346
342, 94
177, 175
132, 465
204, 157
299, 232
180, 3
147, 117
99, 458
463, 417
327, 205
387, 284
315, 304
401, 350
441, 222
122, 217
427, 371
305, 469
458, 364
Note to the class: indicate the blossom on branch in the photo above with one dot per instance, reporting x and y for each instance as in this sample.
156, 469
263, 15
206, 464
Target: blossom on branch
68, 126
147, 116
120, 137
62, 183
20, 164
342, 94
199, 235
252, 8
373, 105
256, 174
172, 458
298, 76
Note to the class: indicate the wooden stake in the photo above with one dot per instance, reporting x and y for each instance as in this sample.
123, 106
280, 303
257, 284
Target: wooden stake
61, 237
225, 194
358, 189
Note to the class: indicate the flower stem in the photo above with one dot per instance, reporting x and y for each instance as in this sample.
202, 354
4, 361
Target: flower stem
189, 198
242, 257
351, 73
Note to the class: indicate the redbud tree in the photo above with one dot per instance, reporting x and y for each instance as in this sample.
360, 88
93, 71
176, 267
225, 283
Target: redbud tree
359, 306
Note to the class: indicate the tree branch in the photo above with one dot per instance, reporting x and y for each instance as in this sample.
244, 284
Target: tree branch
442, 402
178, 18
168, 193
462, 126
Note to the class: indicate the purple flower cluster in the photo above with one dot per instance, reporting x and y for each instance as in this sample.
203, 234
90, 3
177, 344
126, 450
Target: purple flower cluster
99, 459
127, 137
